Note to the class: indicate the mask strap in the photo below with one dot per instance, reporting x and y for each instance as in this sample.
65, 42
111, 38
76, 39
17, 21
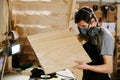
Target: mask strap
90, 16
89, 24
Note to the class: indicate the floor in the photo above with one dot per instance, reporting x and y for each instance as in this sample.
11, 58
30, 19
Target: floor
24, 75
15, 76
18, 74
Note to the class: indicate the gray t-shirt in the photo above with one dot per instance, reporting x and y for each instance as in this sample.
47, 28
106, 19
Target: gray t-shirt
105, 42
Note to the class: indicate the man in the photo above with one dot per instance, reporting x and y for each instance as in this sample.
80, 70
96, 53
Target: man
99, 45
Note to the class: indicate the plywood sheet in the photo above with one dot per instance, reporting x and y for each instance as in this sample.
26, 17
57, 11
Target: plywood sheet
42, 20
37, 0
57, 50
53, 8
77, 73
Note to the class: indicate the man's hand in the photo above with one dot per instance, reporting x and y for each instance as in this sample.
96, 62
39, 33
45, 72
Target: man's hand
81, 65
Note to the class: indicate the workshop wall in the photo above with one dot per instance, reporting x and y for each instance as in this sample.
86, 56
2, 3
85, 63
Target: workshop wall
107, 15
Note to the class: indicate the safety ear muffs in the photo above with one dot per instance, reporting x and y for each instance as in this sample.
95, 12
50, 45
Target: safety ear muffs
112, 7
104, 9
90, 13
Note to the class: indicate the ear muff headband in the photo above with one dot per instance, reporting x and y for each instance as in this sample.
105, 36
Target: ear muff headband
90, 16
90, 13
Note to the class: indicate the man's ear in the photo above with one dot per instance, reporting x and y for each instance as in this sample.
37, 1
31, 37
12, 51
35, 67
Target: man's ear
93, 22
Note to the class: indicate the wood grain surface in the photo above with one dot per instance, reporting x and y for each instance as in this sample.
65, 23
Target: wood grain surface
57, 50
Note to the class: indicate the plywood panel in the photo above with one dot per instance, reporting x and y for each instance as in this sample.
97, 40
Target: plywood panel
57, 50
37, 30
41, 16
77, 73
118, 20
53, 8
60, 20
37, 0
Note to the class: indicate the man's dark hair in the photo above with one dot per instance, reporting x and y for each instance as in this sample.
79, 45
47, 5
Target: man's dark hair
85, 14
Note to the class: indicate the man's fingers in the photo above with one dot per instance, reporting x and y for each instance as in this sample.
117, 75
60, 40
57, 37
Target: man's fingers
79, 62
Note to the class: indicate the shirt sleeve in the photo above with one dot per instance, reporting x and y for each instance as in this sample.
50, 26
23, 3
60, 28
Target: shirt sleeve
107, 47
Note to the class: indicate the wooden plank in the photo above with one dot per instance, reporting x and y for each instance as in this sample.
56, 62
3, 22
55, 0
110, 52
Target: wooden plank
37, 0
57, 50
3, 20
43, 20
72, 11
118, 20
116, 44
37, 30
39, 16
77, 73
54, 8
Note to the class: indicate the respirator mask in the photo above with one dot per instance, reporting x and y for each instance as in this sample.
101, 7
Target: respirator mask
90, 32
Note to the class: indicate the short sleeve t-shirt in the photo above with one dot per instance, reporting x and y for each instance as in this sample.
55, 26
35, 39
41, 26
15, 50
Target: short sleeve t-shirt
105, 42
